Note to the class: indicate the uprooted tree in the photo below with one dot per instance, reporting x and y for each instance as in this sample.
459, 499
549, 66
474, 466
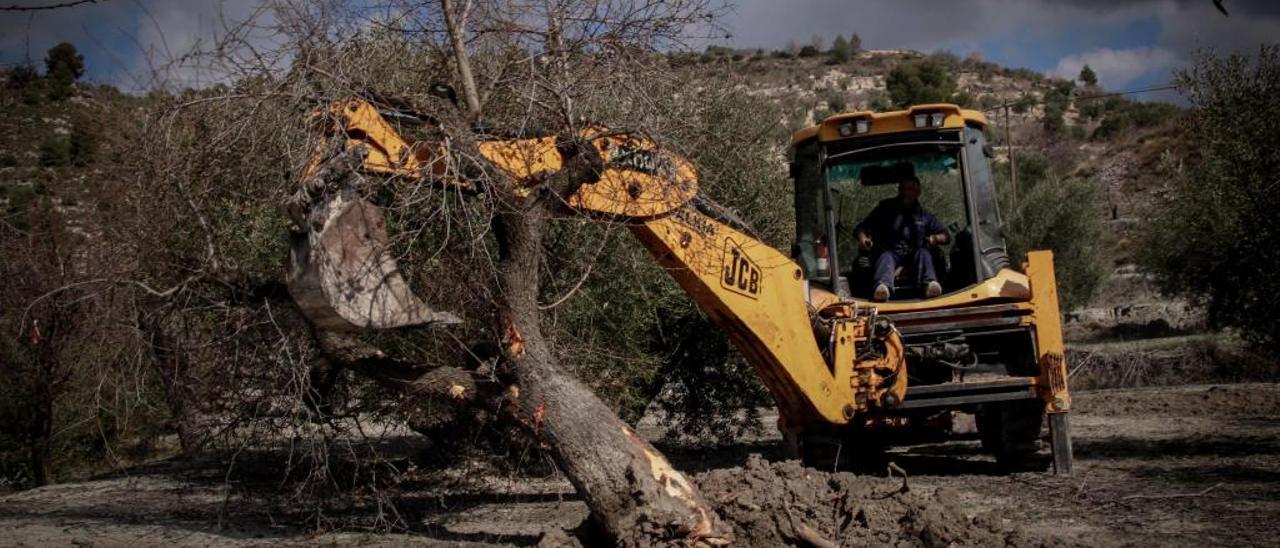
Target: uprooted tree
554, 67
200, 308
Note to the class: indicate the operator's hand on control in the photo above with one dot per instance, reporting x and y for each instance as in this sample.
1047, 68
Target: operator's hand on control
864, 241
935, 240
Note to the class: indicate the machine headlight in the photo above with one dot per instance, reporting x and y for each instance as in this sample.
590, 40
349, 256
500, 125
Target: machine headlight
859, 126
920, 119
937, 119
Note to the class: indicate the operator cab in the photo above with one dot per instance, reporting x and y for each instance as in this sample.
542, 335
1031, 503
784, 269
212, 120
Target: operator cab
850, 163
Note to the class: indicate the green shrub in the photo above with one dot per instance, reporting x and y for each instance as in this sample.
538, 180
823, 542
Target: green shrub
1053, 122
1108, 129
1059, 214
1021, 105
24, 80
55, 151
1056, 101
20, 197
880, 103
77, 148
836, 101
839, 50
1123, 115
23, 76
81, 145
713, 394
919, 82
1090, 109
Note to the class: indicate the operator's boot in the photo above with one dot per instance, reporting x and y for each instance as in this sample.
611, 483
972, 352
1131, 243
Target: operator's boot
881, 294
933, 290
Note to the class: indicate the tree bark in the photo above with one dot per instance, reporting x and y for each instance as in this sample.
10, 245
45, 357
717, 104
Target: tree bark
175, 374
631, 488
41, 432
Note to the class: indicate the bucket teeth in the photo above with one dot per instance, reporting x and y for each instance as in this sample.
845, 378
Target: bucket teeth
342, 275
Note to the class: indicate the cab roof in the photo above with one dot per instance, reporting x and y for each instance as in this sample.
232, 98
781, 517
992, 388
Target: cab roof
889, 122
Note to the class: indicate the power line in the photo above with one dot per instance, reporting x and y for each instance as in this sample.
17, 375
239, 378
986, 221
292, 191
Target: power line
1030, 102
70, 4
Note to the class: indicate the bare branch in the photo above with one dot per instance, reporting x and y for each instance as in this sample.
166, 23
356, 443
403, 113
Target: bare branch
60, 5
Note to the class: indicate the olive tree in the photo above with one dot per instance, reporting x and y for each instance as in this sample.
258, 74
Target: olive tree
1211, 236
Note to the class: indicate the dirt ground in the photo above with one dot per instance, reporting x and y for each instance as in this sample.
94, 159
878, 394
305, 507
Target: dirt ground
1171, 466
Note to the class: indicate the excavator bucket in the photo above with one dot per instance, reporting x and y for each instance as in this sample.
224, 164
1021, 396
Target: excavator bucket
342, 276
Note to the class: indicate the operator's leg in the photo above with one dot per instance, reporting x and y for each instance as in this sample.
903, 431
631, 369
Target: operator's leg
923, 262
925, 274
886, 269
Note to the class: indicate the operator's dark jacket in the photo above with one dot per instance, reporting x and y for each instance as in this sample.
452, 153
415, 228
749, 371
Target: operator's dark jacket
893, 228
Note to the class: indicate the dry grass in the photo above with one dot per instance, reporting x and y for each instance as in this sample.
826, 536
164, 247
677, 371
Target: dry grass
1167, 361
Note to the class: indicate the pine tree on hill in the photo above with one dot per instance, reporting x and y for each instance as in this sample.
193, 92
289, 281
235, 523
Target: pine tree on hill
1088, 77
63, 66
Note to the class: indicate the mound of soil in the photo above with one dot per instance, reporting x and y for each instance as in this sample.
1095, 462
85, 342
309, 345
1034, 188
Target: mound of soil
784, 503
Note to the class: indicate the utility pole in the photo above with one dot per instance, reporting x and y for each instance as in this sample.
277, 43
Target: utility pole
1008, 143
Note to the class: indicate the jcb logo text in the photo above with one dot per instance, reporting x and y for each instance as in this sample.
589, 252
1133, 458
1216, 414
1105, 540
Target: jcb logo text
739, 275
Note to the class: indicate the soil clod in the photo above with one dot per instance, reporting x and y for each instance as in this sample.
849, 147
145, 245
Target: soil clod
784, 503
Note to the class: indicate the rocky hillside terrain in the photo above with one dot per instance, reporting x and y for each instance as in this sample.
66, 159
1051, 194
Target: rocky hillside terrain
70, 149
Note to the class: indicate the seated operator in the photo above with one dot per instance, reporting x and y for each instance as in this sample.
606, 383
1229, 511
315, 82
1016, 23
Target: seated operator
899, 232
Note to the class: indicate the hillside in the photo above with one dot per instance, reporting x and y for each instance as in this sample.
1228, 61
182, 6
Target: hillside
68, 149
1120, 146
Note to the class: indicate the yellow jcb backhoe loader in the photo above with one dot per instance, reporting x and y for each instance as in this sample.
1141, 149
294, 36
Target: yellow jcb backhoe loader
846, 373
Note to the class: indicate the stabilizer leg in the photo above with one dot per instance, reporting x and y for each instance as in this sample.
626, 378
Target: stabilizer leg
1060, 440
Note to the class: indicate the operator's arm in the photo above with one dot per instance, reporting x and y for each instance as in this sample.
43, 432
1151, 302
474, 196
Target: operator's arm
865, 228
937, 234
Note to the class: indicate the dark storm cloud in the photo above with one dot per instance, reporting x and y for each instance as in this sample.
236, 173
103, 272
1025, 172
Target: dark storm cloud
1054, 36
126, 42
914, 24
1242, 8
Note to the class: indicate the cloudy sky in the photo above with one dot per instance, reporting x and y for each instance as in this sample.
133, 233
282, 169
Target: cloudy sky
1129, 43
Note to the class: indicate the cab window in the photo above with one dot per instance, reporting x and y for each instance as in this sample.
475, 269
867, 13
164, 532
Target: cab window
864, 181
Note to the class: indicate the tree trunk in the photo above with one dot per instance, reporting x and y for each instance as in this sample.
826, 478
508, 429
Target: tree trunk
629, 486
456, 23
176, 382
42, 431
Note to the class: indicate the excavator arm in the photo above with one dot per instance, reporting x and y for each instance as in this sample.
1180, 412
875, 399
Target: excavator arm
825, 364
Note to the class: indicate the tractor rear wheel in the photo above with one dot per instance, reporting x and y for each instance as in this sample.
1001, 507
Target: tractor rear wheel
857, 452
1011, 431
